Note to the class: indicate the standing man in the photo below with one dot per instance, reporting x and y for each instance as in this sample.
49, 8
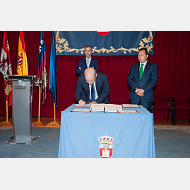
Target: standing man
141, 79
87, 62
92, 88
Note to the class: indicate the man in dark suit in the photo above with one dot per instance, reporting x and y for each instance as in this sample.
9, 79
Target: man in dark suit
87, 62
141, 79
92, 88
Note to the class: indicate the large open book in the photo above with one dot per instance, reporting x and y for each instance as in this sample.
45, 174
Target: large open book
105, 108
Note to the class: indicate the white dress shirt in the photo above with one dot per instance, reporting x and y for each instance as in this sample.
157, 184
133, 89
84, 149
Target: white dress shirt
143, 65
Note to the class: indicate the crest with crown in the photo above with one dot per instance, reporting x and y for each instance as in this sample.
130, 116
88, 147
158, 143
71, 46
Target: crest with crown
106, 146
106, 140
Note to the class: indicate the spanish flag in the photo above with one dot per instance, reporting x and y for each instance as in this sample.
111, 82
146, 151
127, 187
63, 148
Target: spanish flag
22, 63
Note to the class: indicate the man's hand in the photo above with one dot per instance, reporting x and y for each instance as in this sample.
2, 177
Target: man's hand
79, 67
140, 92
94, 102
81, 102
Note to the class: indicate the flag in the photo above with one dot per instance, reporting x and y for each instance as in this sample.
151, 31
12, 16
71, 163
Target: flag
6, 68
42, 73
22, 63
53, 70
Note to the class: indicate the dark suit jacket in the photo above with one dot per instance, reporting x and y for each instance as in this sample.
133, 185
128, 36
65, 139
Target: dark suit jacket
147, 82
102, 87
83, 66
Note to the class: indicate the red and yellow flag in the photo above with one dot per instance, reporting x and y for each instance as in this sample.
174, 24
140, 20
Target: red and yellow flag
22, 63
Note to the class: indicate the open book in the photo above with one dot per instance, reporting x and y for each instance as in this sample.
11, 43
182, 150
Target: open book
105, 108
118, 107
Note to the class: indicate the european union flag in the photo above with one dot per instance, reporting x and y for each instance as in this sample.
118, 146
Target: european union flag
53, 70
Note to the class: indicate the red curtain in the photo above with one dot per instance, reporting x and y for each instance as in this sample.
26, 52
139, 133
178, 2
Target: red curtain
170, 54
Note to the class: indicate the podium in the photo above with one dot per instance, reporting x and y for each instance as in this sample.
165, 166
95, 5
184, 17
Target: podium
22, 94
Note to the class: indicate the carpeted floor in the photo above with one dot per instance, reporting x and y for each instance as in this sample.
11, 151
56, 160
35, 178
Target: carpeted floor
173, 143
45, 147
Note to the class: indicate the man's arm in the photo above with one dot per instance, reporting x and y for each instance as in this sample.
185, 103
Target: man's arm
105, 90
78, 92
79, 69
152, 81
130, 79
96, 65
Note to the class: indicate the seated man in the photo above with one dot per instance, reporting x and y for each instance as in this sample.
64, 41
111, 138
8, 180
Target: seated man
92, 88
87, 62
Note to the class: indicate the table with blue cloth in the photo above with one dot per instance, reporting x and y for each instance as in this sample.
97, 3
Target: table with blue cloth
106, 135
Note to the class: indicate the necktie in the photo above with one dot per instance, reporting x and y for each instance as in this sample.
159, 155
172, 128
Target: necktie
88, 63
92, 93
141, 70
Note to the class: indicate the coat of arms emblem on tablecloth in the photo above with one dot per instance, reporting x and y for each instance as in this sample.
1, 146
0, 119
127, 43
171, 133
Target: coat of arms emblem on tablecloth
106, 146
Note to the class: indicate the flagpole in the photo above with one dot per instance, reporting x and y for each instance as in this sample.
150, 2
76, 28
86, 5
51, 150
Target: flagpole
39, 94
52, 79
6, 123
7, 117
53, 124
38, 123
54, 113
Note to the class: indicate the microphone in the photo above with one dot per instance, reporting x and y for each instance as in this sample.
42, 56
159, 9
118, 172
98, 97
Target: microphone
30, 65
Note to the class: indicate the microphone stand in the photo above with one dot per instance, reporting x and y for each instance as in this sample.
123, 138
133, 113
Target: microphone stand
29, 64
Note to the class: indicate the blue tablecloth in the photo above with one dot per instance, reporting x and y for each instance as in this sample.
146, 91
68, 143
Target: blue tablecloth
132, 134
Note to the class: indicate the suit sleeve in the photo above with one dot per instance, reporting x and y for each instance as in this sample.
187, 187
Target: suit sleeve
78, 92
130, 79
96, 66
105, 90
152, 81
80, 71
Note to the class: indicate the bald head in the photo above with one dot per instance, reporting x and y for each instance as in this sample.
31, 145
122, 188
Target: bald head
90, 75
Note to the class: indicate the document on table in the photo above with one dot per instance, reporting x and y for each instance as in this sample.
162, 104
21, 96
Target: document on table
105, 108
99, 108
128, 111
118, 107
80, 110
110, 109
130, 106
82, 106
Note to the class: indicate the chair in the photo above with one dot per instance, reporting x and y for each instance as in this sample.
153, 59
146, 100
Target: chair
162, 102
182, 102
